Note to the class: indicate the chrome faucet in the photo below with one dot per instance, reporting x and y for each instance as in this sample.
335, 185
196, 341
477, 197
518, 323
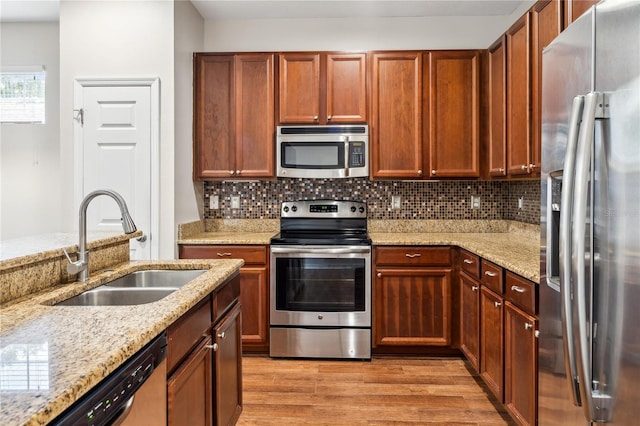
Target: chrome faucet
81, 266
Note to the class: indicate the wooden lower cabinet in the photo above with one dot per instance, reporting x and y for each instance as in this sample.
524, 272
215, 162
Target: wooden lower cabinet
189, 389
492, 341
470, 319
254, 287
228, 368
521, 364
204, 361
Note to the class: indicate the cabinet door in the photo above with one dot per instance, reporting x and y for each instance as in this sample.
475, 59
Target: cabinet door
521, 365
396, 117
254, 116
228, 368
214, 155
299, 100
254, 293
491, 341
519, 97
452, 113
189, 398
470, 319
575, 8
546, 22
498, 108
346, 92
412, 307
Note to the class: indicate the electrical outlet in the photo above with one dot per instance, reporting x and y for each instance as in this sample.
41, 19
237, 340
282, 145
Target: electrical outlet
520, 202
214, 202
475, 201
235, 202
396, 202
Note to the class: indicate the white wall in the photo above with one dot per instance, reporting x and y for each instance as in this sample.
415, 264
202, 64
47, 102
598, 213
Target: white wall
119, 39
29, 153
189, 38
442, 32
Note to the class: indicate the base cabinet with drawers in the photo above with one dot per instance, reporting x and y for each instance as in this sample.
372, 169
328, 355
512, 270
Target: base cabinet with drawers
412, 294
254, 287
498, 333
204, 361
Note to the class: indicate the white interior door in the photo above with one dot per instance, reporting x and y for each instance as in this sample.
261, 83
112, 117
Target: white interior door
116, 152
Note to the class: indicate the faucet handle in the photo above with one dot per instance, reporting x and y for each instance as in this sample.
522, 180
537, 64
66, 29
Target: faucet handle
74, 267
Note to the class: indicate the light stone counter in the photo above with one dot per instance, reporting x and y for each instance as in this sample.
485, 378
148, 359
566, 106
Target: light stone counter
76, 347
233, 232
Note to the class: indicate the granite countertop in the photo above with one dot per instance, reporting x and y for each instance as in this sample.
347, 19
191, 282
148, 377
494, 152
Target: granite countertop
75, 347
217, 237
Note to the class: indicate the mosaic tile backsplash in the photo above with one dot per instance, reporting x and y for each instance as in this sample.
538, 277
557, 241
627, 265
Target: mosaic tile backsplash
419, 199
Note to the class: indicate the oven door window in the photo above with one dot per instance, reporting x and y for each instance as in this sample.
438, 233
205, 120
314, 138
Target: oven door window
312, 155
320, 285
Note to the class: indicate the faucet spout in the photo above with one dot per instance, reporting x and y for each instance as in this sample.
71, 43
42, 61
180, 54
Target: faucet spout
81, 266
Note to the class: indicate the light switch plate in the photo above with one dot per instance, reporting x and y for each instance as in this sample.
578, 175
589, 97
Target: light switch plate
520, 202
396, 202
235, 202
475, 201
214, 202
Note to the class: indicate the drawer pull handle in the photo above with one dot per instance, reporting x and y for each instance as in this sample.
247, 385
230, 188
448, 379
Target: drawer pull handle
224, 254
528, 326
497, 304
214, 347
490, 274
468, 261
474, 288
411, 256
518, 289
221, 335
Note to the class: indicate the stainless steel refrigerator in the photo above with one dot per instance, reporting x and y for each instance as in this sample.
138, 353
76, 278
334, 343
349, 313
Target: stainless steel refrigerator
589, 341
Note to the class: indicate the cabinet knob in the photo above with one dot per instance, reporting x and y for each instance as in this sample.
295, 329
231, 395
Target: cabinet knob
231, 172
468, 261
329, 117
501, 170
474, 288
497, 304
536, 333
523, 167
434, 172
214, 347
420, 172
532, 167
315, 118
528, 326
379, 275
221, 335
518, 289
238, 172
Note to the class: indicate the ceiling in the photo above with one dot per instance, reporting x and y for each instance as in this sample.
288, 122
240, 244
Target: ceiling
49, 10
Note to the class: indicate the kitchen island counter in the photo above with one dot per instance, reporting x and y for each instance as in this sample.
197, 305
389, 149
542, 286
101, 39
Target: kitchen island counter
74, 347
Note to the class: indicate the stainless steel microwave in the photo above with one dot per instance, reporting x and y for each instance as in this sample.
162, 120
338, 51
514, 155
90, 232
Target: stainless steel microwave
322, 151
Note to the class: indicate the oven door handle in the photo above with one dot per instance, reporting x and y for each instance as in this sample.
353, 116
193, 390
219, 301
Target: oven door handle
317, 250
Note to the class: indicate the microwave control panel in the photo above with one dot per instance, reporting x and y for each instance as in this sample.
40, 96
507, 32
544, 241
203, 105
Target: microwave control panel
357, 154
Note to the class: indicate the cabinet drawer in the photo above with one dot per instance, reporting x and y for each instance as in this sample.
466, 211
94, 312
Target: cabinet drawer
492, 276
423, 256
470, 263
224, 299
187, 331
521, 292
250, 254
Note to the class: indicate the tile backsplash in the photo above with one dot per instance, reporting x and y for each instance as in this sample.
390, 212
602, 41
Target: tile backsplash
418, 199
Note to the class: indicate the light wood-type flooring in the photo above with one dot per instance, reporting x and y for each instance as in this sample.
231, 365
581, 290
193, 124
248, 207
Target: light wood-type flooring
385, 391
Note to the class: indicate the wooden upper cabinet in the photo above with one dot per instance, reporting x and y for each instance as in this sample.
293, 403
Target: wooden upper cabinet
396, 115
546, 20
322, 88
519, 97
451, 104
498, 108
575, 8
233, 116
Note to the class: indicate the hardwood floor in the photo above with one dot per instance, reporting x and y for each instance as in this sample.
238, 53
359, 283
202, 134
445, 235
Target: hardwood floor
385, 391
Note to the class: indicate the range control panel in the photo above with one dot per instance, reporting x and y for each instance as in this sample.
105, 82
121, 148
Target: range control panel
324, 208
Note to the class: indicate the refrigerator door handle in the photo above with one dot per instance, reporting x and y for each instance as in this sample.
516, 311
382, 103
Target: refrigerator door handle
564, 245
596, 404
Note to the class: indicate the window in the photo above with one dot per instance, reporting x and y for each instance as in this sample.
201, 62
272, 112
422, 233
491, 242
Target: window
22, 94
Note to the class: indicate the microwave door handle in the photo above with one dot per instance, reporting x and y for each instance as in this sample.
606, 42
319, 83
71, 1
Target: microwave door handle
346, 156
564, 245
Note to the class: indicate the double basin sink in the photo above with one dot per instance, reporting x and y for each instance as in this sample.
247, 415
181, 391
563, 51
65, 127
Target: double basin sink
136, 288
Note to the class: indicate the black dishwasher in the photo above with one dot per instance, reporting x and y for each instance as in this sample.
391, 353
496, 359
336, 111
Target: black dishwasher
110, 400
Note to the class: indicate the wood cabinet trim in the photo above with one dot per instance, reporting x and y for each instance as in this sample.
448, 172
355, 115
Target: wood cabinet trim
498, 108
184, 334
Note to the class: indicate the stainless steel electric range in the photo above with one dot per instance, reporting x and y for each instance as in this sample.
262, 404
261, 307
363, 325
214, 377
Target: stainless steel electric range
320, 291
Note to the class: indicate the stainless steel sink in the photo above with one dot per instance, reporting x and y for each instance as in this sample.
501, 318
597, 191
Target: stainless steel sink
136, 288
157, 278
112, 296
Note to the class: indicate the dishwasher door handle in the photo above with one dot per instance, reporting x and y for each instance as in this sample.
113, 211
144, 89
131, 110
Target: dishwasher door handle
124, 412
